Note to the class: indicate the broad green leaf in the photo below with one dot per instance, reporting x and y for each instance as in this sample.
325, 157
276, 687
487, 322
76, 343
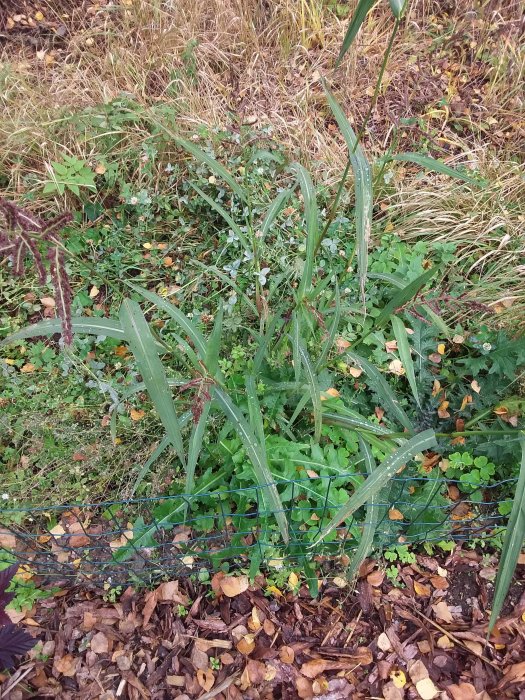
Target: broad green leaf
108, 327
181, 319
359, 16
315, 393
257, 455
273, 210
371, 516
436, 165
382, 389
225, 215
401, 297
195, 446
312, 226
142, 345
362, 185
512, 544
379, 478
401, 336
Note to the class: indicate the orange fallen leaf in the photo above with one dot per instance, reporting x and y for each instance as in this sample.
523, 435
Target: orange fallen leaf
395, 514
137, 414
205, 678
422, 589
233, 586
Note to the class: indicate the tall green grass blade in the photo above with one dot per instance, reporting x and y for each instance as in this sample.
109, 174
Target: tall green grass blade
313, 385
148, 535
379, 478
224, 214
163, 444
398, 7
127, 395
512, 544
312, 226
211, 269
203, 157
195, 447
214, 343
257, 455
273, 211
436, 320
359, 16
299, 407
181, 319
254, 410
108, 327
296, 339
401, 336
382, 389
362, 185
436, 165
371, 516
353, 421
277, 322
401, 297
329, 342
142, 345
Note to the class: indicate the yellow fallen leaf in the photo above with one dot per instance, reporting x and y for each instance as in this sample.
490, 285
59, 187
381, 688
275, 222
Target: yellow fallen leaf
441, 348
436, 388
147, 246
9, 361
293, 580
28, 368
137, 415
93, 292
274, 591
398, 678
39, 16
340, 582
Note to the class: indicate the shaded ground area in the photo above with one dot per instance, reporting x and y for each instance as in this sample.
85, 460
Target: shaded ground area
418, 635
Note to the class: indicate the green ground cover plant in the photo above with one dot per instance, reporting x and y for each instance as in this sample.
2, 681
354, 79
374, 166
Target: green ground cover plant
288, 355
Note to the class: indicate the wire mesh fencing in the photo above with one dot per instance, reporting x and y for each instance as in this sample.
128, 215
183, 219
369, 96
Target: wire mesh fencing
140, 541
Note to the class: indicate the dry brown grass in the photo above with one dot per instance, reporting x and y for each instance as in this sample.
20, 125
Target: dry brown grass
456, 70
263, 59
